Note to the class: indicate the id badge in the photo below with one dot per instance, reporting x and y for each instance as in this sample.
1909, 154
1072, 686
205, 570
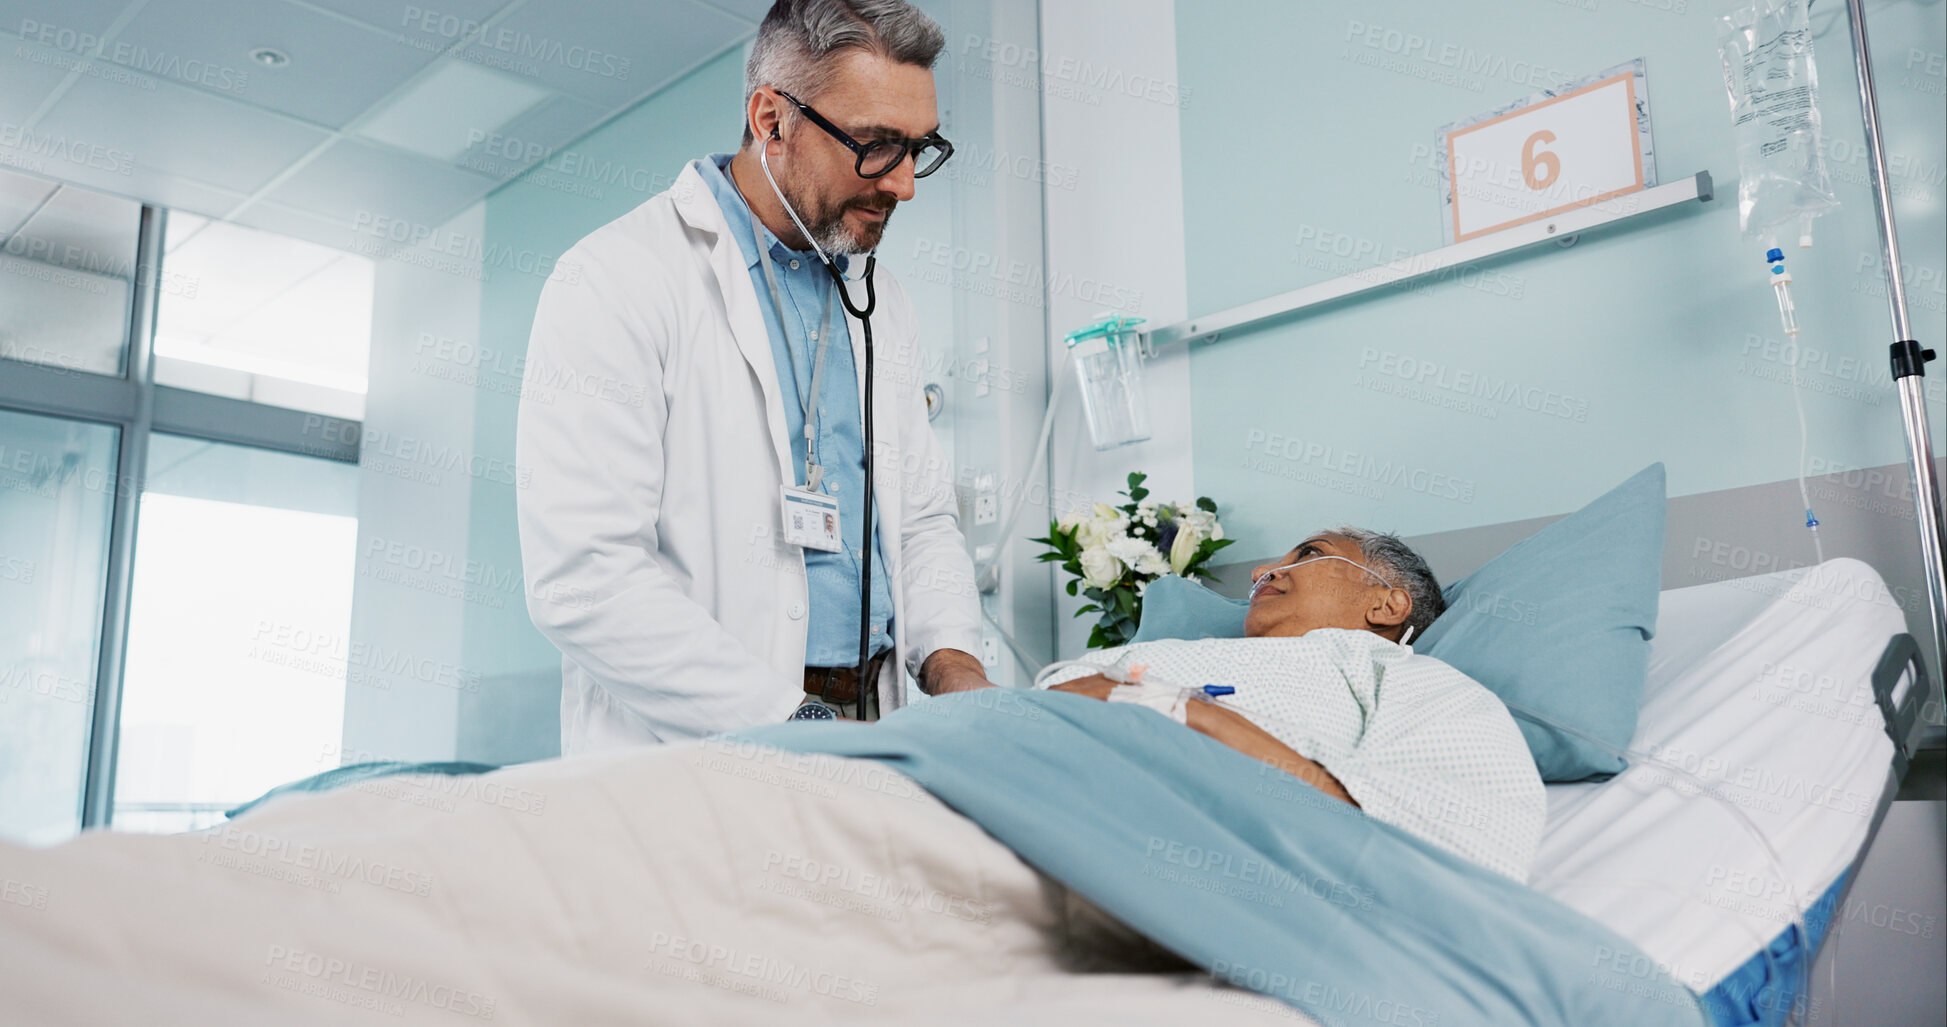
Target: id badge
811, 520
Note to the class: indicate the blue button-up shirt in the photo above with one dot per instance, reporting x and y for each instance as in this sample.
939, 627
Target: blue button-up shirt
803, 287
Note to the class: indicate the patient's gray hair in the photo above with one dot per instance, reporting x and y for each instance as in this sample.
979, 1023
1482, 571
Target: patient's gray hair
800, 41
1391, 556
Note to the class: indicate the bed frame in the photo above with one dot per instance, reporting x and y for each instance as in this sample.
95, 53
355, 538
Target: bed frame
1900, 660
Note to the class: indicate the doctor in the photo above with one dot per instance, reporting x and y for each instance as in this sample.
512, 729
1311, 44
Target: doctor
700, 381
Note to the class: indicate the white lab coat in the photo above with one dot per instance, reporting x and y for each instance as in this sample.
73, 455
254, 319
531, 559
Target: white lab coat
652, 431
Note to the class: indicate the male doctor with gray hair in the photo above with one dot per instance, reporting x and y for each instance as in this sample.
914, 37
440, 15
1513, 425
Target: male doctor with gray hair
693, 529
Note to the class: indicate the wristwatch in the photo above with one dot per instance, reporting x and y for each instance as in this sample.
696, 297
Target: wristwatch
812, 709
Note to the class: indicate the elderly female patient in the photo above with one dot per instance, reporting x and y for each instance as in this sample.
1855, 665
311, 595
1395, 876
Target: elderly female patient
1328, 690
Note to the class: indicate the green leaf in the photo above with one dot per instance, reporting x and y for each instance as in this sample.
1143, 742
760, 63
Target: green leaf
1090, 608
1125, 601
1071, 586
1206, 504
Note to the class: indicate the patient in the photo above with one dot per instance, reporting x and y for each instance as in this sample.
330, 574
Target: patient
1328, 690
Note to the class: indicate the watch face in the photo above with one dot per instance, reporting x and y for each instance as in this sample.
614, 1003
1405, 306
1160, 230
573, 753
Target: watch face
815, 711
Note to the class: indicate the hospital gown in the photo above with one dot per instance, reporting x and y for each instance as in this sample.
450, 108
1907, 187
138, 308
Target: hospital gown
1418, 744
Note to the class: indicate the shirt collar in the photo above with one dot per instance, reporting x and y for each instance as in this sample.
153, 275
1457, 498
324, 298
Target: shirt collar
738, 216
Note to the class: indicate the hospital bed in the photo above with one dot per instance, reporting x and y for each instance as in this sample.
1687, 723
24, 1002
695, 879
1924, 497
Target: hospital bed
523, 891
1794, 697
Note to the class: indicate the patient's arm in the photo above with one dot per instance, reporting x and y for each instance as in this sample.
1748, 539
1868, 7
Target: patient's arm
1235, 730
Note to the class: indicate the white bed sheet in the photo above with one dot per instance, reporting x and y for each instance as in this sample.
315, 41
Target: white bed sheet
1761, 687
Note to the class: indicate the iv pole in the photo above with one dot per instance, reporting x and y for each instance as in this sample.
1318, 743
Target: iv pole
1909, 359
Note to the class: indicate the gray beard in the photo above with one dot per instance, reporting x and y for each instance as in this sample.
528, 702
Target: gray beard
827, 228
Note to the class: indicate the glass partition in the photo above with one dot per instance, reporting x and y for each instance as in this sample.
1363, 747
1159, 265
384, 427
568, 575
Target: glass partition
57, 488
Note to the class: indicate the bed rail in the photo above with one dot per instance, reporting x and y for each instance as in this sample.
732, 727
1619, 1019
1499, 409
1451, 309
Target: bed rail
1902, 712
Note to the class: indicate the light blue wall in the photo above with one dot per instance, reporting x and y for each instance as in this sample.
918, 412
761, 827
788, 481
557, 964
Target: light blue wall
1305, 147
543, 213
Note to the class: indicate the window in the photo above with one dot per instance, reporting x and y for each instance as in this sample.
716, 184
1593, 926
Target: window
238, 629
263, 317
157, 669
56, 498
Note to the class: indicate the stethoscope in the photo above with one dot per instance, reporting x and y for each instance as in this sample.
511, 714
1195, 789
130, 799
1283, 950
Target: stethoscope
821, 711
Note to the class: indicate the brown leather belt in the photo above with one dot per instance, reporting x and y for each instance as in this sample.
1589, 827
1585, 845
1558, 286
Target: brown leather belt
839, 684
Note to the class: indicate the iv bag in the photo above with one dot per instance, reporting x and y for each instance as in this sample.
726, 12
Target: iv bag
1774, 90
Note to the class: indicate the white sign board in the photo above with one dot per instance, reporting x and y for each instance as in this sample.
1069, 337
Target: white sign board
1547, 154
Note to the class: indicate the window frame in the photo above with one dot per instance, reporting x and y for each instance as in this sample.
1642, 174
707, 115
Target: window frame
136, 405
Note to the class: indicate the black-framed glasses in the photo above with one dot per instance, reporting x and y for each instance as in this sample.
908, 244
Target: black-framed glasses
878, 157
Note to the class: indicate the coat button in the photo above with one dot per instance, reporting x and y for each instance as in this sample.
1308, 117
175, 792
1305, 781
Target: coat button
797, 611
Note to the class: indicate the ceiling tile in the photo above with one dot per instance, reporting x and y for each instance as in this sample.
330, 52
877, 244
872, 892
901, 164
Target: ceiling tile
335, 232
20, 196
28, 73
179, 131
428, 20
606, 51
63, 26
532, 138
80, 228
183, 194
336, 70
751, 9
359, 183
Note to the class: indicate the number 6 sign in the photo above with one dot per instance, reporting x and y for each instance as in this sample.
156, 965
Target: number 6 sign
1545, 155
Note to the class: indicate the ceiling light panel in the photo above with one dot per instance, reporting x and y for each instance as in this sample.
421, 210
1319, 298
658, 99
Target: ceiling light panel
452, 107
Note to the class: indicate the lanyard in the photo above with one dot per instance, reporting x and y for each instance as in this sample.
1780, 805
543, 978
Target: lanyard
813, 473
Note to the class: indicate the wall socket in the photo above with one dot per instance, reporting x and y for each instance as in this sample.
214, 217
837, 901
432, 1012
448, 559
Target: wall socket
987, 506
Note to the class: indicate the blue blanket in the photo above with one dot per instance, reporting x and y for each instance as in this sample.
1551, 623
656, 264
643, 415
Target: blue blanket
1252, 874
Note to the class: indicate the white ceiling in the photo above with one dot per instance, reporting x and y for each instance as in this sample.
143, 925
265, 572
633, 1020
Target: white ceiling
410, 111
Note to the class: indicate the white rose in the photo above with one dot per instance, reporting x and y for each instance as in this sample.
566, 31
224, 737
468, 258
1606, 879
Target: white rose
1072, 519
1105, 523
1099, 569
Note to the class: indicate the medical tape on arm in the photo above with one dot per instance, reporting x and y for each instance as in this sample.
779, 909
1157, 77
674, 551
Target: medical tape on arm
1173, 703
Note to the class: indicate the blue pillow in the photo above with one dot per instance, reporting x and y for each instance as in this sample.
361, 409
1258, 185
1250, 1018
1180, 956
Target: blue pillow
1560, 626
1176, 607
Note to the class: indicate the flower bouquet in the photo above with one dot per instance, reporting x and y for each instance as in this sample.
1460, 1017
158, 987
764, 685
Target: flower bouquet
1114, 552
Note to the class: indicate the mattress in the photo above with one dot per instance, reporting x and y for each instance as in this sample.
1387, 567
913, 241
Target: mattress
1758, 710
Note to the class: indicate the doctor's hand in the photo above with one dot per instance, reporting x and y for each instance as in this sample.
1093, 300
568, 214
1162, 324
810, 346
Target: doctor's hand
950, 670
